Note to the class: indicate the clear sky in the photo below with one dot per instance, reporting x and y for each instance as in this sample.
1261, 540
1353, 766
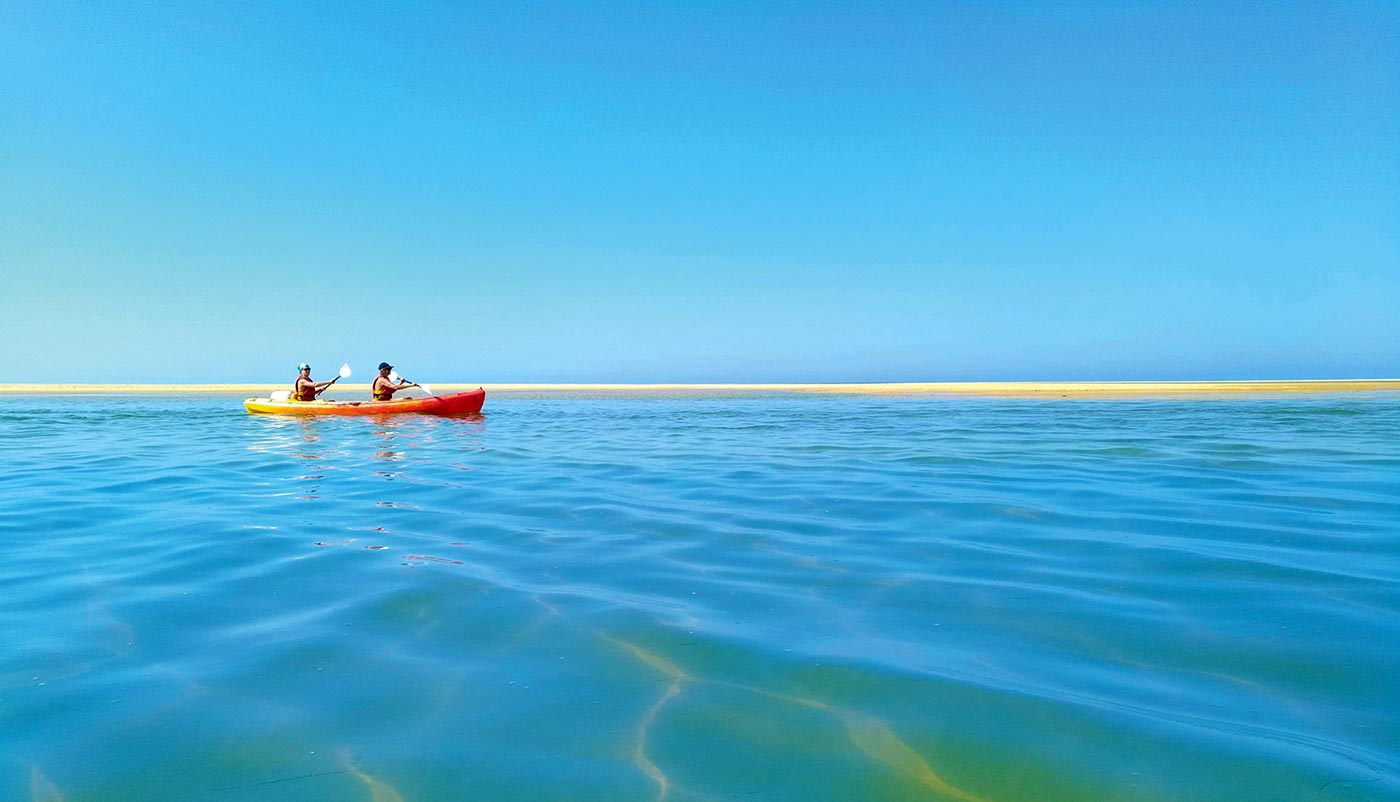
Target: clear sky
700, 191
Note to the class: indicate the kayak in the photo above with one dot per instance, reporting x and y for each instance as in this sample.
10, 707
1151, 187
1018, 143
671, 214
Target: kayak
468, 403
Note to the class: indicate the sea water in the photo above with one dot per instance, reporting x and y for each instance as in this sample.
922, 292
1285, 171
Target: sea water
702, 597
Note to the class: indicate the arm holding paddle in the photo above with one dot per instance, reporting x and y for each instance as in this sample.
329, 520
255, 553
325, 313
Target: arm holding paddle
388, 382
307, 390
344, 373
406, 383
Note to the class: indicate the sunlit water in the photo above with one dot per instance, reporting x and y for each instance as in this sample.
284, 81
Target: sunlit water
758, 597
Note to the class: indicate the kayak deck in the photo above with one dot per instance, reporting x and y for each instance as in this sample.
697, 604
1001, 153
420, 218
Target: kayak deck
468, 403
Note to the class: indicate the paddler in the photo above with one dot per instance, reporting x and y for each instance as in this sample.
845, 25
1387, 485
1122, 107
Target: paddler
384, 388
305, 389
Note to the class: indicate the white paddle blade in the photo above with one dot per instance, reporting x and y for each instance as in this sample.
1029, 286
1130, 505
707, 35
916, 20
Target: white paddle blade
280, 395
345, 371
396, 378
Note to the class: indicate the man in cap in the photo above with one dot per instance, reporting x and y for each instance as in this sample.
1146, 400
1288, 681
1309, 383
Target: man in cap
384, 388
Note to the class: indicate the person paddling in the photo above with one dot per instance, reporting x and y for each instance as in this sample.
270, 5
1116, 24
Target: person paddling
384, 388
305, 389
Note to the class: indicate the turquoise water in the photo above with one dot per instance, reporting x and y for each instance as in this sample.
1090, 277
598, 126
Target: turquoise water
737, 596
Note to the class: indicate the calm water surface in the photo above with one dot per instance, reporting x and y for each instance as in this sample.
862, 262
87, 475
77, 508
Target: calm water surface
758, 597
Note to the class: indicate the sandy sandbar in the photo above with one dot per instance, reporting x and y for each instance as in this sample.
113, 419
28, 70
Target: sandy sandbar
996, 389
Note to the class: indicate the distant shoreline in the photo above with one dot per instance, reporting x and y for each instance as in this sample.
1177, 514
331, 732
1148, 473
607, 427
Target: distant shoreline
993, 389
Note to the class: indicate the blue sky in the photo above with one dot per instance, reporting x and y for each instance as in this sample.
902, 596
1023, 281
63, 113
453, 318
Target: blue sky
700, 191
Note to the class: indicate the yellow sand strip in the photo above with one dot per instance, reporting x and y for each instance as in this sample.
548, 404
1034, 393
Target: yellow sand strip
998, 389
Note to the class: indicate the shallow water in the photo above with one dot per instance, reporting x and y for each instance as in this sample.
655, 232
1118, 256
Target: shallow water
766, 597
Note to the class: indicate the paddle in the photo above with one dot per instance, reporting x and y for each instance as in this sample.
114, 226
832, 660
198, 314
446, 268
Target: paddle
344, 374
396, 378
